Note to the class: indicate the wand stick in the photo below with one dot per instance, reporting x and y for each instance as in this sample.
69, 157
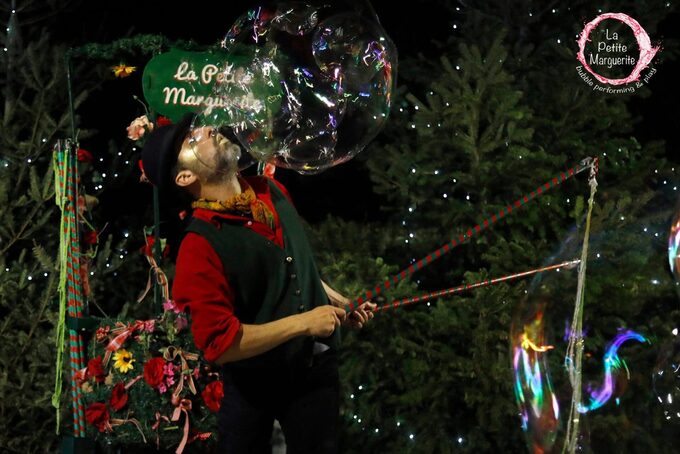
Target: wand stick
485, 283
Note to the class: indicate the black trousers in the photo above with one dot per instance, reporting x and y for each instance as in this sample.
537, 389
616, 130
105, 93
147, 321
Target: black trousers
305, 401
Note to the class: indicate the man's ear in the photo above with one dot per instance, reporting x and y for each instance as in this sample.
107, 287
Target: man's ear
185, 178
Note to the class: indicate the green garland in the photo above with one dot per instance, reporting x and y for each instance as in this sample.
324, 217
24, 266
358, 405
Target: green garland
126, 47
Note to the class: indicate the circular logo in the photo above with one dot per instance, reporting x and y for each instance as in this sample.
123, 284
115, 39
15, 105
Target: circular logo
647, 52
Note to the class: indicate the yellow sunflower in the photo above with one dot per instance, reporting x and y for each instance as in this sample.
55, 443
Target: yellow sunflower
123, 360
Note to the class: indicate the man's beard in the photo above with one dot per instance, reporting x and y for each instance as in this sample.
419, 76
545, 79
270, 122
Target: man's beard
225, 166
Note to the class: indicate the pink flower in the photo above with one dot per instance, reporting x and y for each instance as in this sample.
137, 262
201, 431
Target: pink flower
149, 326
169, 380
169, 305
169, 369
181, 323
162, 388
138, 128
196, 372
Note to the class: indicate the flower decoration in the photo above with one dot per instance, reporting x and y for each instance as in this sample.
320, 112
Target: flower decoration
139, 127
212, 395
119, 397
163, 121
123, 70
171, 399
123, 361
84, 155
91, 237
95, 369
154, 372
97, 415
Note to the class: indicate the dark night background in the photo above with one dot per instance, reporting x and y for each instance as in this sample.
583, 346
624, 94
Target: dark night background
427, 378
417, 27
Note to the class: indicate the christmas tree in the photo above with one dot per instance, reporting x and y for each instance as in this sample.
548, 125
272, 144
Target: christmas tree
489, 119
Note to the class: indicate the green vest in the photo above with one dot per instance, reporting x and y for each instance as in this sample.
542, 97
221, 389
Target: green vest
269, 282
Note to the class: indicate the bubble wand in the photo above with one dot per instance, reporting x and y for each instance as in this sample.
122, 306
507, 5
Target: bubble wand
465, 287
587, 163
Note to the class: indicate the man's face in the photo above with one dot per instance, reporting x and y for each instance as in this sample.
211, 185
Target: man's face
209, 154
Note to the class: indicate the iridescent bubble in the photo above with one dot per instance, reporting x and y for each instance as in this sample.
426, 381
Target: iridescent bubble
674, 247
534, 391
294, 108
612, 358
666, 378
351, 49
296, 18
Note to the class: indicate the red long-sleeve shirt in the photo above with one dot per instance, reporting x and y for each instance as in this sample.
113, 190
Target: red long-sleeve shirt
200, 284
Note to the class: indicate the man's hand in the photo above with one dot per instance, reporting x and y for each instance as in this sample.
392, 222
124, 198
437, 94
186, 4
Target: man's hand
322, 321
358, 317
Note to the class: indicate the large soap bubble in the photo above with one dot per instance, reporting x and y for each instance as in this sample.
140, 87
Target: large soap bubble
304, 93
613, 369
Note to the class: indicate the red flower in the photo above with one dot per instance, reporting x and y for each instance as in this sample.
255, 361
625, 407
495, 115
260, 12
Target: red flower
95, 369
163, 121
91, 237
97, 415
119, 397
84, 155
269, 170
153, 372
148, 248
212, 395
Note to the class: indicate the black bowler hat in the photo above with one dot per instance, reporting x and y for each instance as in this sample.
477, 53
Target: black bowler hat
160, 151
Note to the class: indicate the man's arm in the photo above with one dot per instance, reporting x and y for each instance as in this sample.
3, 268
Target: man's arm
253, 340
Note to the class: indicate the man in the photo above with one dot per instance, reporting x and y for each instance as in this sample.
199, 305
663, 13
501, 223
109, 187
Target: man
246, 273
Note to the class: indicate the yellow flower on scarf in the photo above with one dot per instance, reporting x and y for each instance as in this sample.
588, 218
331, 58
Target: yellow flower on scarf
123, 360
